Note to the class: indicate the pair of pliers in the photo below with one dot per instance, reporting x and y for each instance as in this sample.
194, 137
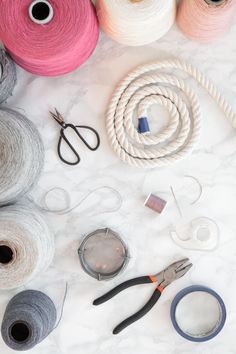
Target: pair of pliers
164, 278
60, 120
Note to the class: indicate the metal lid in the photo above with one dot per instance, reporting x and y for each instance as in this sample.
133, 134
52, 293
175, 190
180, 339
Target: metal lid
103, 254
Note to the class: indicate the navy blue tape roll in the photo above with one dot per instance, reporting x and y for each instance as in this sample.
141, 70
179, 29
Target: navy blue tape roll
219, 325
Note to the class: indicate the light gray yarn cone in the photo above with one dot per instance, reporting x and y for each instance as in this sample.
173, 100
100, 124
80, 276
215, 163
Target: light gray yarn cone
26, 245
7, 75
21, 155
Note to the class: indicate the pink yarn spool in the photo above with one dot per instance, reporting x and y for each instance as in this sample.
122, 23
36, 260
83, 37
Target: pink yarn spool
49, 38
205, 20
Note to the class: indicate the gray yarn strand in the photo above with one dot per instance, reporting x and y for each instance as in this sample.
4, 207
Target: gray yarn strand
21, 155
29, 318
7, 75
26, 245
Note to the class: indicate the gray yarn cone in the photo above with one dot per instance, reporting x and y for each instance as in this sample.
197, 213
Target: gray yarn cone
29, 318
7, 75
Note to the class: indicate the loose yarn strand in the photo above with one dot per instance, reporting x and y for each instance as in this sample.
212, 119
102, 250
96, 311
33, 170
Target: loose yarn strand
68, 209
146, 86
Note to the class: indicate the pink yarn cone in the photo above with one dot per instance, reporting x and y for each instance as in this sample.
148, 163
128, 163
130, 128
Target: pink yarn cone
55, 48
205, 21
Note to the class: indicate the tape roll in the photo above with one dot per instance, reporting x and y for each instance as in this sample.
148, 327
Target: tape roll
198, 313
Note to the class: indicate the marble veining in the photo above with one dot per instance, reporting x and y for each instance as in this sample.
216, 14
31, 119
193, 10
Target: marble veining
82, 97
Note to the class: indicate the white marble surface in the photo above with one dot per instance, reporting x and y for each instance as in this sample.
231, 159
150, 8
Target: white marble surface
83, 96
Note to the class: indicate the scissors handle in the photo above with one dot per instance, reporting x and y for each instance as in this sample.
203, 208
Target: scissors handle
84, 141
75, 129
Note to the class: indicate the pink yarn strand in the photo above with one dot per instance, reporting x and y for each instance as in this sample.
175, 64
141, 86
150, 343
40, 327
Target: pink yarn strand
205, 22
51, 49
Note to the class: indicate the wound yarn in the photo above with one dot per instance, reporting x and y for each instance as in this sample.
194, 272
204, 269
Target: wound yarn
29, 318
149, 85
26, 245
46, 43
205, 20
22, 155
7, 76
136, 22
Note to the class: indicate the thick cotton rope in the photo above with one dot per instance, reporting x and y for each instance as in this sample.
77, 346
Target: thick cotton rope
148, 85
7, 76
49, 44
205, 20
29, 318
26, 245
22, 155
136, 22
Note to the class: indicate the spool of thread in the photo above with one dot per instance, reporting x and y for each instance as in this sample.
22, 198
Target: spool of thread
26, 245
205, 20
155, 203
7, 76
22, 155
29, 318
136, 22
198, 313
49, 38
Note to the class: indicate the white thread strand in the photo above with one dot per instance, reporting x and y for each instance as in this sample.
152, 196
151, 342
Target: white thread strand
26, 233
136, 23
146, 86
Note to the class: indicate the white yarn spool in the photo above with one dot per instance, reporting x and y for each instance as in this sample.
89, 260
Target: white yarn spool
26, 245
22, 155
144, 87
136, 22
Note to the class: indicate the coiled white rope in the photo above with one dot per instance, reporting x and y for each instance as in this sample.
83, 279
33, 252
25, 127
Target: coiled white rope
144, 87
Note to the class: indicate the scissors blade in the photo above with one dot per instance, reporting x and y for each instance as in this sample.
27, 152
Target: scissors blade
58, 117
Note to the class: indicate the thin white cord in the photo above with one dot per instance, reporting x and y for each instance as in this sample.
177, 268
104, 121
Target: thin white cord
68, 208
144, 87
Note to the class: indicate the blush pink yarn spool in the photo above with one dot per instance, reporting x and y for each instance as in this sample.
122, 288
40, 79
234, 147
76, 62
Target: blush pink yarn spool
53, 38
205, 20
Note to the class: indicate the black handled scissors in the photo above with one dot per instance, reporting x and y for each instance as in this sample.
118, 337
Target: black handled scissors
60, 120
164, 278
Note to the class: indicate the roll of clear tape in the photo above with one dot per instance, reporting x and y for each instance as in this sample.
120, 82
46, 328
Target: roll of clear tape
200, 234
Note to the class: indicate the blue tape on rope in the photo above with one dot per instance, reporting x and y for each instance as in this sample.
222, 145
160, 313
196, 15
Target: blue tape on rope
219, 325
143, 126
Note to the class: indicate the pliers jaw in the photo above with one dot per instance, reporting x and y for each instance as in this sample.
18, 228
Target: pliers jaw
175, 271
